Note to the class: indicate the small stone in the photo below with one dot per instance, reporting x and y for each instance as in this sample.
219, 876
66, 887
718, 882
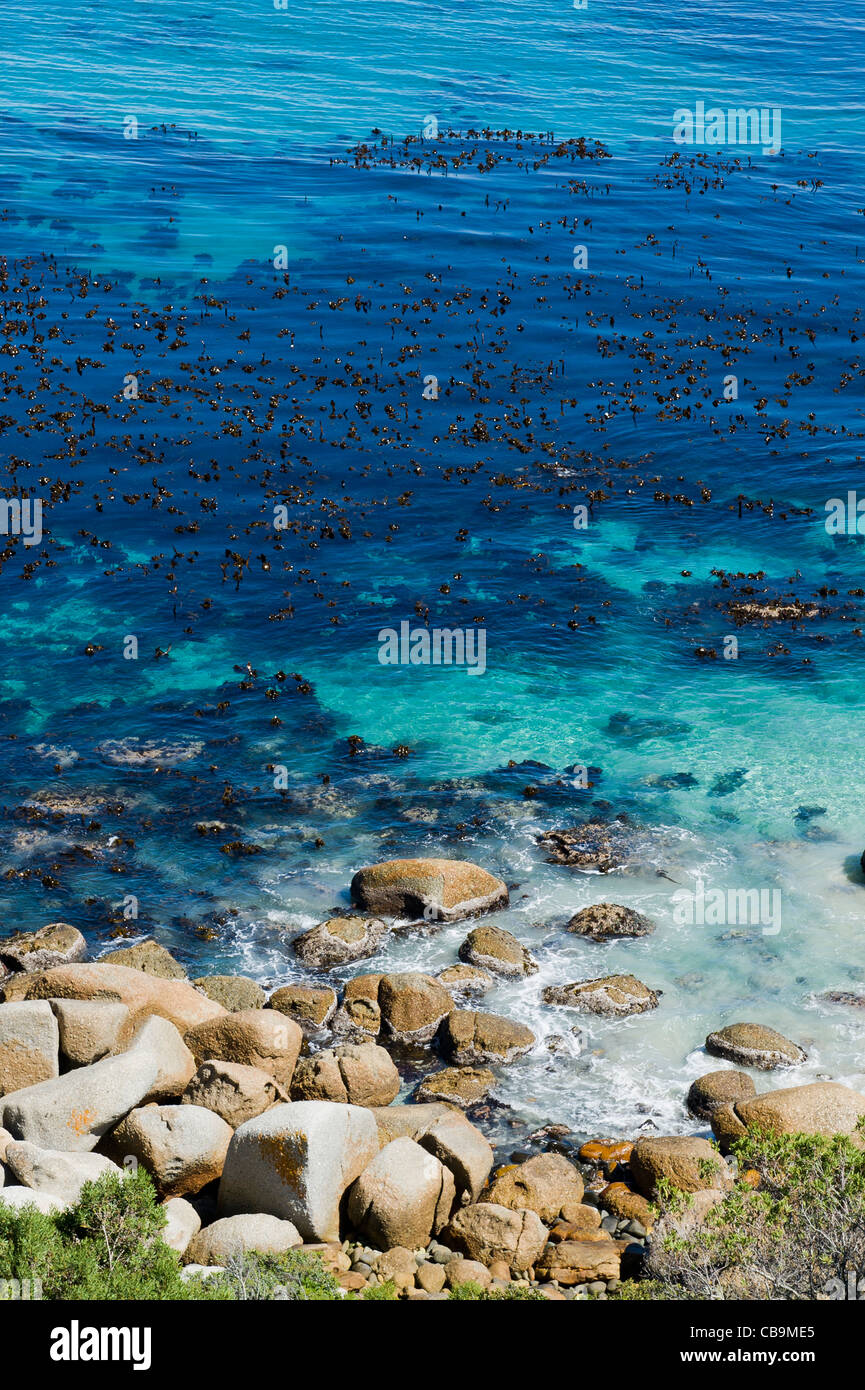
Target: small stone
431, 1277
461, 1271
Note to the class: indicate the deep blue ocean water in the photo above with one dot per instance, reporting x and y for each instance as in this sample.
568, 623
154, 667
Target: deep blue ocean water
298, 135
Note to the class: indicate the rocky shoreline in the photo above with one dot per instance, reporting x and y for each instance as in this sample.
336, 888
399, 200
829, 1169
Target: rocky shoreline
274, 1123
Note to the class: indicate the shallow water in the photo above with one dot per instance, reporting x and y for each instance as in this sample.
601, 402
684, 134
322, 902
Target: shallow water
555, 383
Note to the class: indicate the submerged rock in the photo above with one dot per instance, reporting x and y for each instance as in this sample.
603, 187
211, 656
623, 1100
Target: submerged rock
438, 889
708, 1093
338, 941
594, 845
492, 948
619, 995
56, 944
603, 921
470, 1038
462, 1086
753, 1045
624, 726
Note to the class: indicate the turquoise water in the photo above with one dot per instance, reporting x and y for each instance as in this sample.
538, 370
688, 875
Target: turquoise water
559, 386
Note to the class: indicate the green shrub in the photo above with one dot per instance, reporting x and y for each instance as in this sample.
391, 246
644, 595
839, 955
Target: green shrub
797, 1236
106, 1247
469, 1292
294, 1276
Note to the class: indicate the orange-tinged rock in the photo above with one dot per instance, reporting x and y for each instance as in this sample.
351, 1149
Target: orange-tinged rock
599, 1153
618, 1199
751, 1177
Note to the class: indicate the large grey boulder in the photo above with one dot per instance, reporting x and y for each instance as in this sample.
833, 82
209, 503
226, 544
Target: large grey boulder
463, 1149
182, 1223
260, 1038
91, 1029
182, 1147
29, 1044
144, 995
19, 1198
402, 1197
444, 1133
72, 1112
235, 1235
234, 1092
296, 1161
54, 1171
